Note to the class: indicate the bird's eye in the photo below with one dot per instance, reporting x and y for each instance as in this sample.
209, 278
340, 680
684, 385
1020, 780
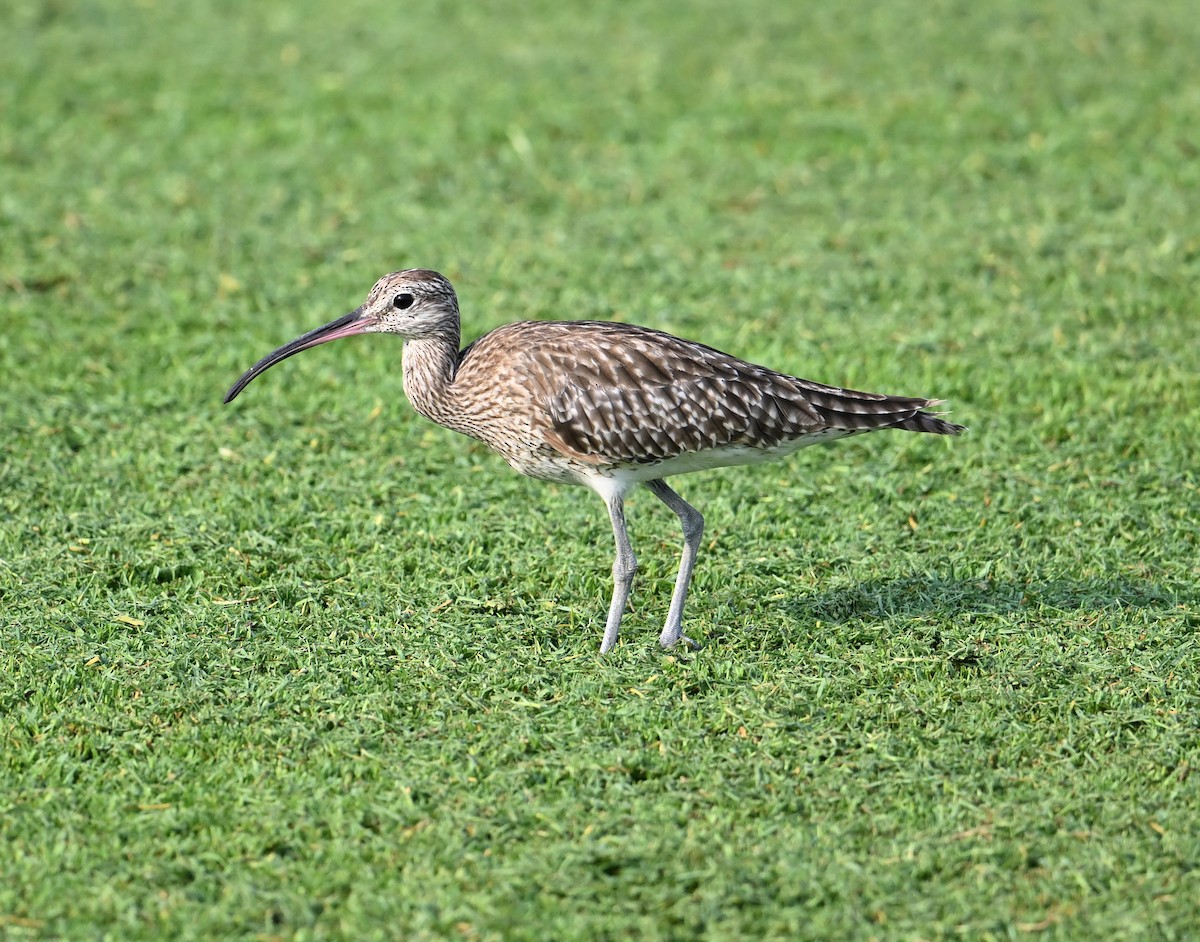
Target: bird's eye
403, 301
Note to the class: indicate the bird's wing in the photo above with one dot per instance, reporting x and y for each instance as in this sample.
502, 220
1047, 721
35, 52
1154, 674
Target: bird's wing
651, 423
611, 393
632, 394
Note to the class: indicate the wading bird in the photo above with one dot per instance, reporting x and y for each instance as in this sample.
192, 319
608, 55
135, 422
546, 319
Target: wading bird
609, 406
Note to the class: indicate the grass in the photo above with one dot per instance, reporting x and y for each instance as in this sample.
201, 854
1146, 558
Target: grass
310, 668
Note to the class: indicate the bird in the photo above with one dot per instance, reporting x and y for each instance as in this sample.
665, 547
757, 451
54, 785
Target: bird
610, 406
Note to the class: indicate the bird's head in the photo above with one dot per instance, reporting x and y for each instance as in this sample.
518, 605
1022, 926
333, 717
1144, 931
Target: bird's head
415, 304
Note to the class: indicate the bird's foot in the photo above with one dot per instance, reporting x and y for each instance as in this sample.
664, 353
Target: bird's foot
671, 639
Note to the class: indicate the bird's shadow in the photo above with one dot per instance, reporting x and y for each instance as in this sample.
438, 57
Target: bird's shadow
920, 594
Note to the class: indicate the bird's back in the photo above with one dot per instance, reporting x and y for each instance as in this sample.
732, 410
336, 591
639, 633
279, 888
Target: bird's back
618, 394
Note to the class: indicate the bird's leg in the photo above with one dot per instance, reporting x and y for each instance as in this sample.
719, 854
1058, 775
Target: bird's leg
693, 528
624, 567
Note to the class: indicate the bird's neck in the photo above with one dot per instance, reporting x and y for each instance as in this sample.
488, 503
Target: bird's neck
429, 366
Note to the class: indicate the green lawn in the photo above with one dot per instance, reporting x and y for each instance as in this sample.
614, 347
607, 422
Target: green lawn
308, 667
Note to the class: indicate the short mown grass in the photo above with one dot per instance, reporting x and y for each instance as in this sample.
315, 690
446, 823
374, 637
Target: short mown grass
309, 667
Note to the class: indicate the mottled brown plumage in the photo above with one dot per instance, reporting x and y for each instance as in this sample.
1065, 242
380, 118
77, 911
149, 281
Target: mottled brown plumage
610, 406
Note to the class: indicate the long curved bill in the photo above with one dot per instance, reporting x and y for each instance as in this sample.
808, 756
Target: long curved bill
346, 326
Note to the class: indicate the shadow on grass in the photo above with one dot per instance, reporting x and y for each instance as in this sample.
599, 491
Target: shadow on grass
922, 594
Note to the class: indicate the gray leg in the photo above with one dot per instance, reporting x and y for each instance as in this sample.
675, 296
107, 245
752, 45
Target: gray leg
624, 567
693, 529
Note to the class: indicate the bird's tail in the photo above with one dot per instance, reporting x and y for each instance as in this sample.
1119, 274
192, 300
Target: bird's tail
922, 421
857, 411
